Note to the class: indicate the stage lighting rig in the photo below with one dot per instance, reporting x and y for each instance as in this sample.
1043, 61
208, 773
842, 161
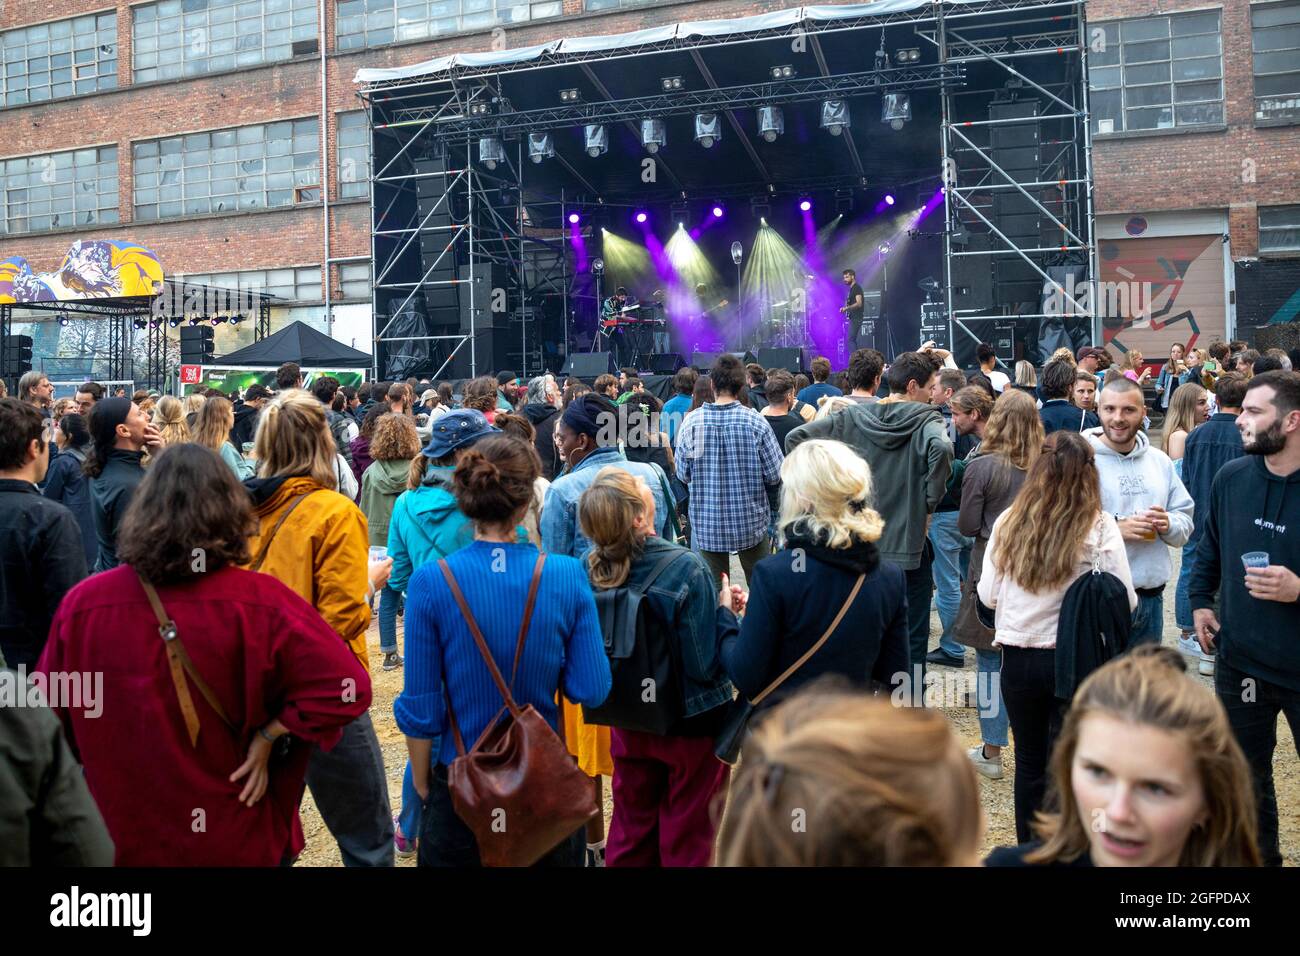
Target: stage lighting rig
761, 207
771, 122
671, 84
843, 201
708, 129
540, 147
737, 252
570, 96
835, 116
680, 211
908, 55
654, 135
595, 139
784, 72
491, 152
597, 266
139, 323
895, 109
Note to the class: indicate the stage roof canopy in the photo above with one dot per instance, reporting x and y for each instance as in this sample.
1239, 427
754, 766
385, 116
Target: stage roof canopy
299, 342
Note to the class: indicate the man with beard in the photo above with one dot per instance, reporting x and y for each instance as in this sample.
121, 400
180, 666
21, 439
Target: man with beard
1141, 489
1249, 555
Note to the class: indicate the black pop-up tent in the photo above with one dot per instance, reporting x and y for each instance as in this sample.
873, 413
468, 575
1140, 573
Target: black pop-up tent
298, 342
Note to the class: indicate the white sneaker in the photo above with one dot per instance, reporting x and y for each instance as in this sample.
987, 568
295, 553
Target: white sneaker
1189, 646
990, 767
1206, 666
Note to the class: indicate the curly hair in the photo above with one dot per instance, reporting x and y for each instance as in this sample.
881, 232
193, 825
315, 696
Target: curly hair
395, 439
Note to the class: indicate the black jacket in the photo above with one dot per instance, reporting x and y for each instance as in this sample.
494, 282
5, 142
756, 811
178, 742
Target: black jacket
1094, 627
245, 426
1059, 415
542, 415
111, 495
67, 484
41, 558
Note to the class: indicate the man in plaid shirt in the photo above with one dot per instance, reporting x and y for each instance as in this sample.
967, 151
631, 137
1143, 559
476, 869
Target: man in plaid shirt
729, 459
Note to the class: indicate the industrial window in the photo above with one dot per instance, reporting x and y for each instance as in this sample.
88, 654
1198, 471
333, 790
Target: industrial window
363, 23
177, 38
58, 191
250, 167
354, 155
295, 284
58, 59
1156, 73
1275, 44
354, 280
1279, 229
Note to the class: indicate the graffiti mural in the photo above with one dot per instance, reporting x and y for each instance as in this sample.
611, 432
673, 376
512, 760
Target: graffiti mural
1158, 291
91, 269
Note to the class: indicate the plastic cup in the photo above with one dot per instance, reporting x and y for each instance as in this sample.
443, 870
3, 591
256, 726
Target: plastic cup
1255, 559
378, 554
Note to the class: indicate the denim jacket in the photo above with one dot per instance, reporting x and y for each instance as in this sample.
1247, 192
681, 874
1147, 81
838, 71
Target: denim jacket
561, 533
685, 594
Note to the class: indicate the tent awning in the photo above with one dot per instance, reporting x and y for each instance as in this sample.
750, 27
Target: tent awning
299, 342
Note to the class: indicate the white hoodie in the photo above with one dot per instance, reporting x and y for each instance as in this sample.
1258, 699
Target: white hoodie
1131, 483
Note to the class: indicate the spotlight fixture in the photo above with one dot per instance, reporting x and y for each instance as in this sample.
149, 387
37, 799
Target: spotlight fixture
771, 122
481, 108
708, 129
718, 212
596, 140
570, 96
194, 320
217, 319
491, 152
139, 323
671, 83
805, 205
835, 116
895, 109
737, 252
236, 319
783, 72
889, 199
154, 323
597, 266
654, 135
574, 219
884, 249
641, 217
63, 318
173, 322
909, 55
540, 147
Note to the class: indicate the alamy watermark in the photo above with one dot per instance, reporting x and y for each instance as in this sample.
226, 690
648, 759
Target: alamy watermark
1115, 299
60, 690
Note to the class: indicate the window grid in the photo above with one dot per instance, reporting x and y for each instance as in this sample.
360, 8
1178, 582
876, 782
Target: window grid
294, 284
58, 190
1275, 46
364, 23
354, 280
1158, 73
1279, 229
178, 38
54, 60
249, 167
354, 155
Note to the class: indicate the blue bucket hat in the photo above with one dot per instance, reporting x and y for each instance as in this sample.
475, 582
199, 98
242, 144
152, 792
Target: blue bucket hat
457, 429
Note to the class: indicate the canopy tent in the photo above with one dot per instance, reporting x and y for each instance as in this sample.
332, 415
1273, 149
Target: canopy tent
299, 342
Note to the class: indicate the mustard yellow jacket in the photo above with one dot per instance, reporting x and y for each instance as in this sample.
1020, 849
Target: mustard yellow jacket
320, 552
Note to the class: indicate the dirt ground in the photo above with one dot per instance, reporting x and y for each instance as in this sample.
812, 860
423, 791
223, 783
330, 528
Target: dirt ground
996, 795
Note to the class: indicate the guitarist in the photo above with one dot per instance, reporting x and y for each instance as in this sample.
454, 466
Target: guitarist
612, 311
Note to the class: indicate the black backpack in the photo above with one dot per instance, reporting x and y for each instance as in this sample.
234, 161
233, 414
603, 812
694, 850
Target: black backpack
646, 694
1094, 628
339, 429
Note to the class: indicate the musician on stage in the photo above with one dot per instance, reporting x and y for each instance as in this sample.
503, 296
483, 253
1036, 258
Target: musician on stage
853, 310
613, 309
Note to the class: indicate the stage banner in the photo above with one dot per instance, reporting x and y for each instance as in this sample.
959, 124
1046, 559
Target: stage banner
199, 378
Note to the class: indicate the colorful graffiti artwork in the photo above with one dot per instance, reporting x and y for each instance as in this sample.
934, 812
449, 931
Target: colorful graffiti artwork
91, 269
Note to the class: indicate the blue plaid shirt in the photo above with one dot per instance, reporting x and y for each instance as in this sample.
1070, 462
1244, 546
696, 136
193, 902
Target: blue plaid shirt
727, 455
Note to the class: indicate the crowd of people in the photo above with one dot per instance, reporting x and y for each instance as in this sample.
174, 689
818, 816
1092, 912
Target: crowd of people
189, 582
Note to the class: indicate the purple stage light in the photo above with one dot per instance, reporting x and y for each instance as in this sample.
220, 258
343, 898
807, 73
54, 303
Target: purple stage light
641, 217
889, 199
805, 205
717, 212
574, 218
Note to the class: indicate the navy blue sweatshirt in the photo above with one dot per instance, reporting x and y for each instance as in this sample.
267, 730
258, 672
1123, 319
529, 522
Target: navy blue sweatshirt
1251, 509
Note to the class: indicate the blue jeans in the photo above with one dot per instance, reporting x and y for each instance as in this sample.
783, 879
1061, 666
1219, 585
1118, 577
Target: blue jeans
408, 818
1148, 621
1183, 603
389, 601
951, 561
988, 691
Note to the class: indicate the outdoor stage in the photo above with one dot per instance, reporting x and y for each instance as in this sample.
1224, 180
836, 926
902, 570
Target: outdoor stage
726, 173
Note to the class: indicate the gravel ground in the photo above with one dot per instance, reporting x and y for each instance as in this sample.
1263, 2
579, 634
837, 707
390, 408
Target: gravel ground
995, 795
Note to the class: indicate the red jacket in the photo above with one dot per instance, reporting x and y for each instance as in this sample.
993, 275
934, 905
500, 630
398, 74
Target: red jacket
262, 650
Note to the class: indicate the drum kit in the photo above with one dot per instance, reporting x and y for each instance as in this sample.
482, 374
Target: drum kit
786, 325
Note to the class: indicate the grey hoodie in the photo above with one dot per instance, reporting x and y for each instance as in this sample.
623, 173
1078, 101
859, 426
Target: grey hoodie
907, 447
1134, 482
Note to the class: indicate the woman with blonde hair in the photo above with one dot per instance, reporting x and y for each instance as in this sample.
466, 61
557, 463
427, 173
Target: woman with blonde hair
392, 446
828, 405
1053, 532
1132, 369
1013, 439
212, 430
1190, 407
827, 584
1026, 379
169, 419
871, 784
192, 403
664, 784
1150, 752
314, 540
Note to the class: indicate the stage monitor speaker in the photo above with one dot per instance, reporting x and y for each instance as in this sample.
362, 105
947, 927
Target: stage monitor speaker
792, 360
666, 363
703, 361
589, 365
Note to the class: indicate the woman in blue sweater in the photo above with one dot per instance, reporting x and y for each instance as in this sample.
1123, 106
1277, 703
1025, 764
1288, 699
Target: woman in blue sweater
564, 651
829, 530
